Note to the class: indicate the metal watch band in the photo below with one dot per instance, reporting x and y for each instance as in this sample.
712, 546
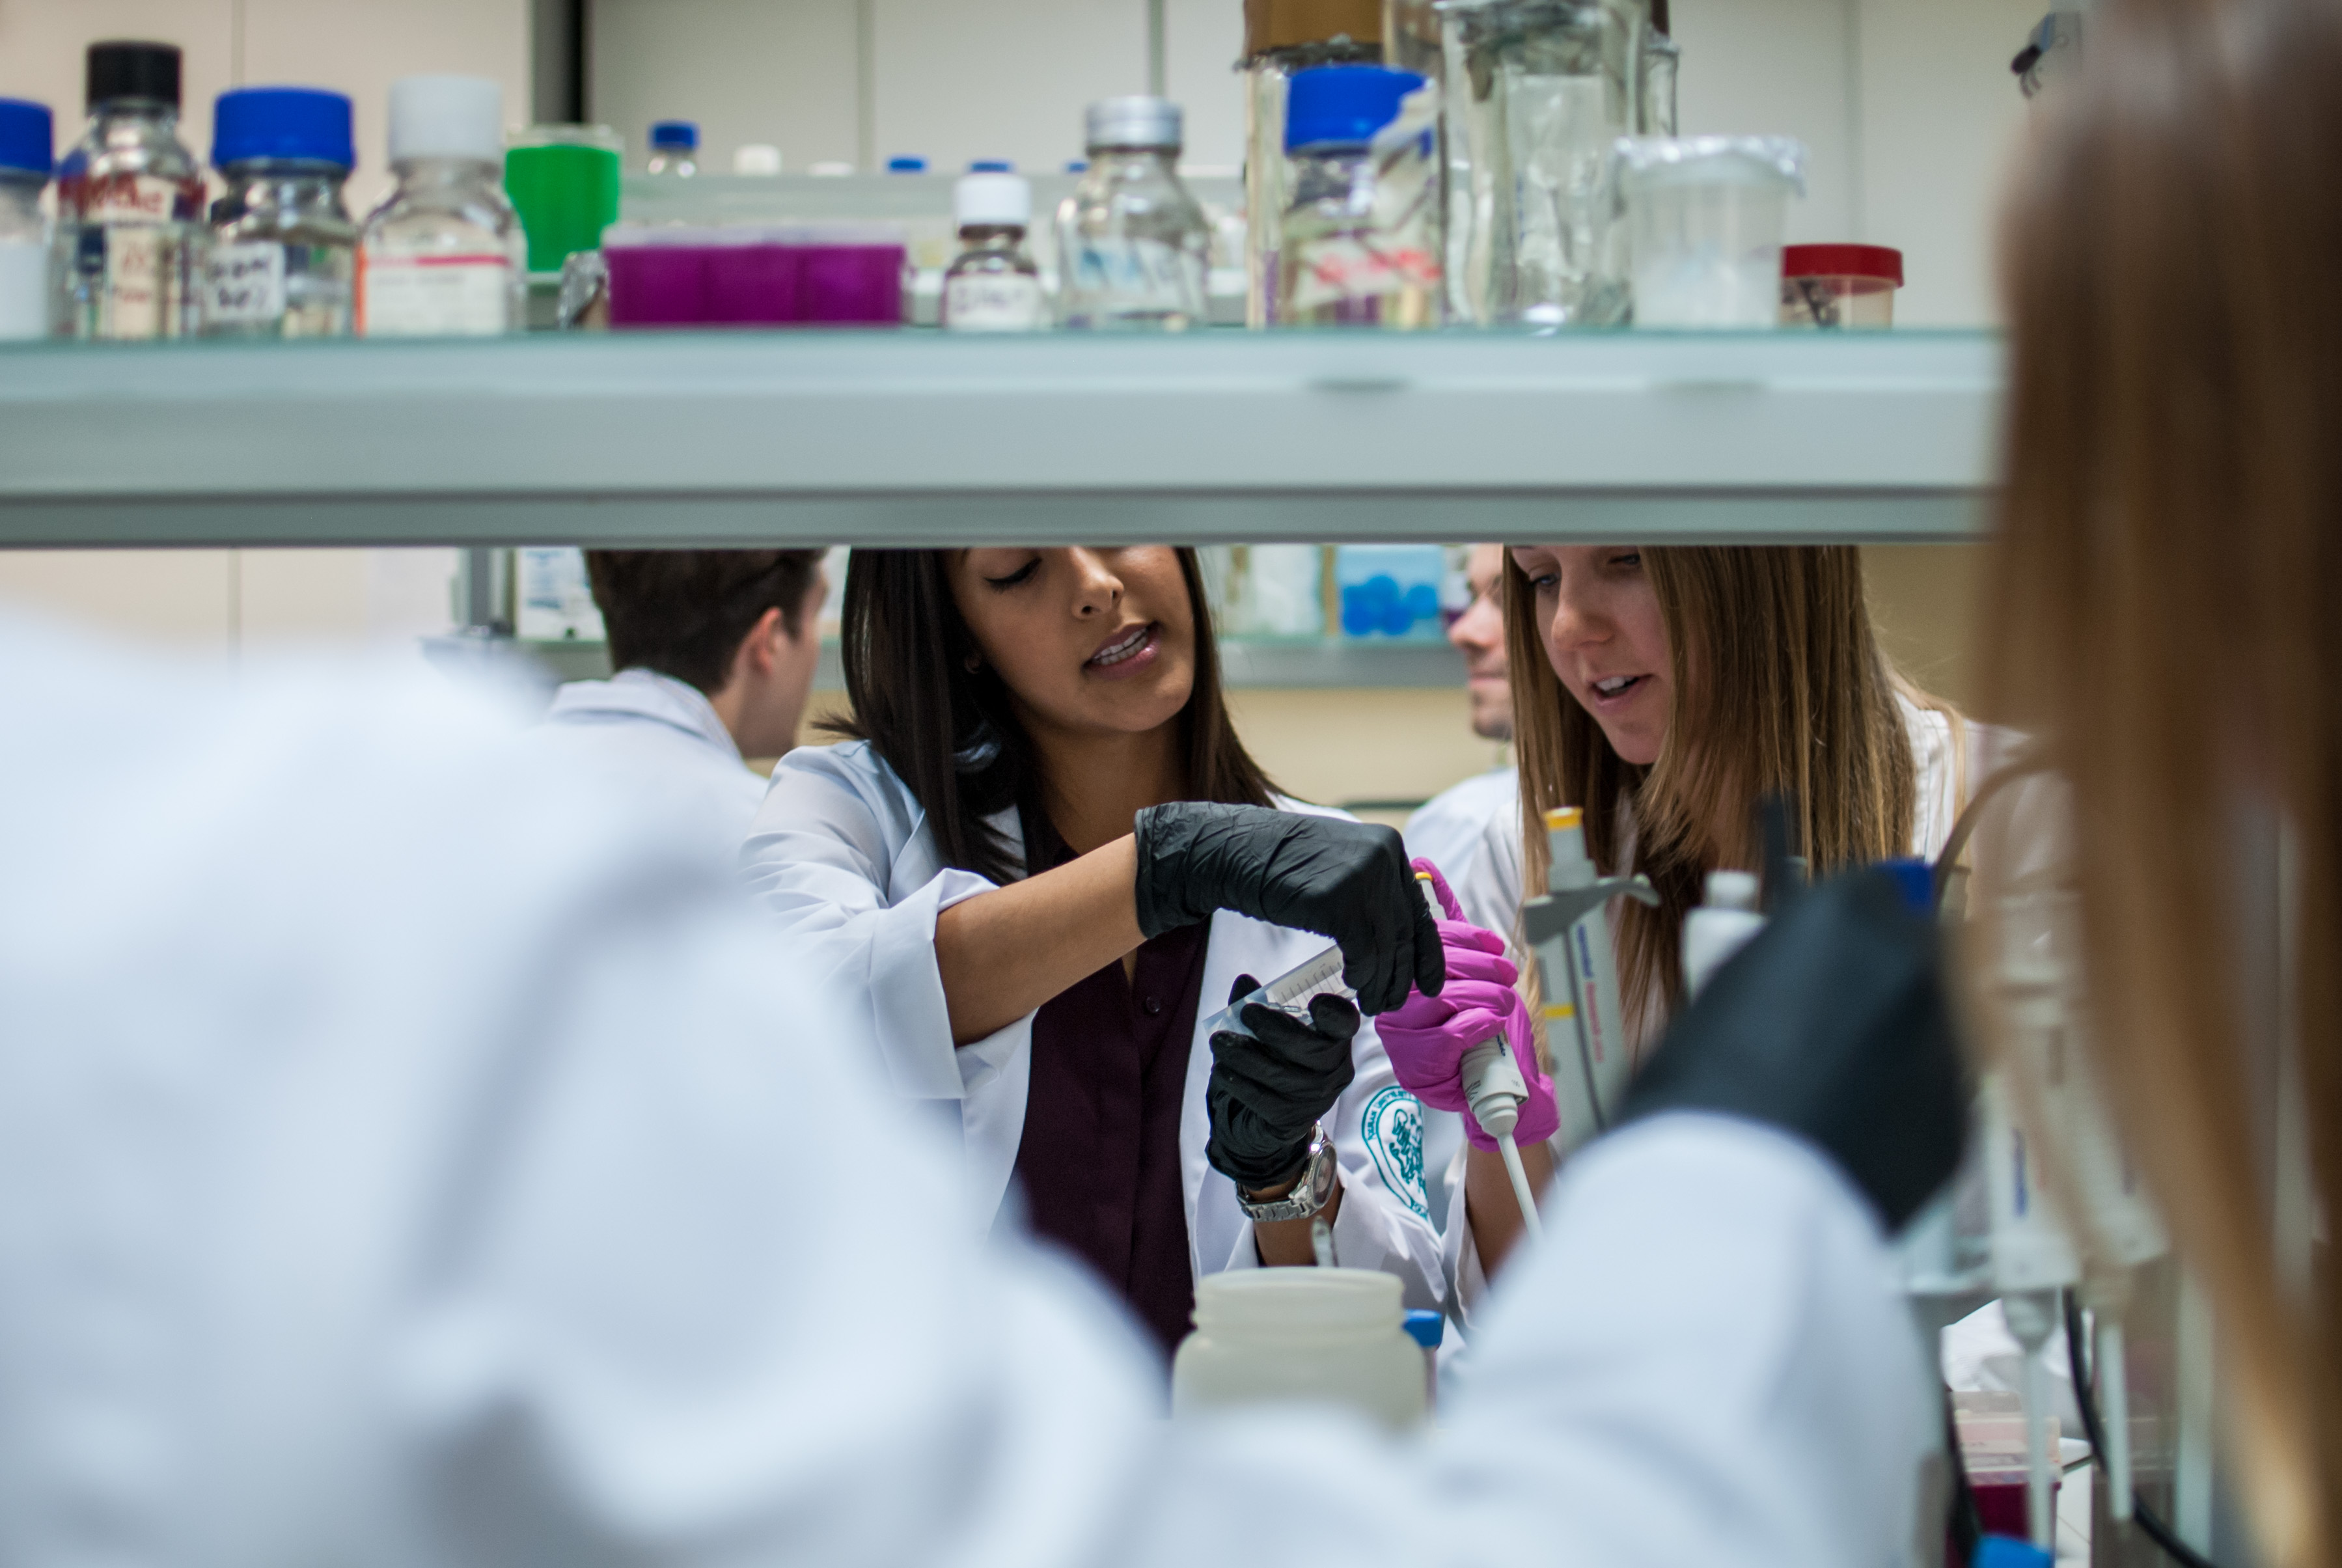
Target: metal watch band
1311, 1189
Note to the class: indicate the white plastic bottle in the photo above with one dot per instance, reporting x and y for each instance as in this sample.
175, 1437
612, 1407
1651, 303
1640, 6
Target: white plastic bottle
26, 148
1332, 1336
445, 257
1724, 923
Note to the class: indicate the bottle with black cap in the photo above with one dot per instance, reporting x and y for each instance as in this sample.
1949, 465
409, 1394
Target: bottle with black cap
130, 201
284, 263
25, 149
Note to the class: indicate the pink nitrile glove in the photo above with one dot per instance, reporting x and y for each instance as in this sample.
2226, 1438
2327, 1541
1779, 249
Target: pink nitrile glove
1426, 1036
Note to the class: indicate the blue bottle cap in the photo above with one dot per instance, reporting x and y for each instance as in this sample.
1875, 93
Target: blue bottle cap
1078, 166
907, 165
26, 139
291, 124
992, 166
1343, 106
680, 134
2009, 1552
1426, 1328
1916, 879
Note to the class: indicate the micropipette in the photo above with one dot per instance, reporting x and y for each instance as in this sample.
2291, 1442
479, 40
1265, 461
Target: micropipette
1565, 928
1496, 1091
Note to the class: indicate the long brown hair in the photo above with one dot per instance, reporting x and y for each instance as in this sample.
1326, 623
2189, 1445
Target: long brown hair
1779, 688
2163, 614
952, 735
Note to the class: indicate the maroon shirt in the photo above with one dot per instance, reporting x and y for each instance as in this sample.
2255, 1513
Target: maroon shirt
1099, 1160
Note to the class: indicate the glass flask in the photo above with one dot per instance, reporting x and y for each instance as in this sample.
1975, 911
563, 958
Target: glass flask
285, 262
1134, 245
130, 201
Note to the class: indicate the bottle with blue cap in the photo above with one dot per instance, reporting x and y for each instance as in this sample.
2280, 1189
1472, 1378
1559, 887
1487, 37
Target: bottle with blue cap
130, 201
675, 150
1133, 244
25, 149
1358, 246
283, 261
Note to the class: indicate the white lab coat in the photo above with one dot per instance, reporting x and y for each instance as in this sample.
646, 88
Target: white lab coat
665, 735
412, 1153
841, 849
1949, 765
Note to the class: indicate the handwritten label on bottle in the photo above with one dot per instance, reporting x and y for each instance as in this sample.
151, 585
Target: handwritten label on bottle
244, 284
132, 199
434, 296
994, 302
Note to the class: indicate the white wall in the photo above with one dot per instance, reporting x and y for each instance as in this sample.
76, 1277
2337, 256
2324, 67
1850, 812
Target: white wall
222, 599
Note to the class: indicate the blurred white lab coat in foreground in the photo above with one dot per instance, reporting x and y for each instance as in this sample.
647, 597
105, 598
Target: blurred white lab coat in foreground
412, 1153
666, 736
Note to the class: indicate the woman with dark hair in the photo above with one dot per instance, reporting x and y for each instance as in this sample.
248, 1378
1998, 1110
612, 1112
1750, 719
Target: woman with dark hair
1051, 862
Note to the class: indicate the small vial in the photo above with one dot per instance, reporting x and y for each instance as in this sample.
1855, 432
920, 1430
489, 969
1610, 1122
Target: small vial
444, 256
284, 263
1136, 247
1342, 260
130, 201
993, 285
675, 150
25, 149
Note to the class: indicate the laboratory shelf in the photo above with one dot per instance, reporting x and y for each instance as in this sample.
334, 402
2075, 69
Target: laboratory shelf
916, 438
1243, 663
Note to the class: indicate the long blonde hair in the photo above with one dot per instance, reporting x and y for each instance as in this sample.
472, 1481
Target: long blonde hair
2163, 614
1779, 688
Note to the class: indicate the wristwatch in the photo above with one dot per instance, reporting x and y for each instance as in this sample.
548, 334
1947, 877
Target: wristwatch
1311, 1189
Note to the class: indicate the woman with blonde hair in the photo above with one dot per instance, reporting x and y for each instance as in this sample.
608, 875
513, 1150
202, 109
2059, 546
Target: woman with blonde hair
2162, 616
1666, 691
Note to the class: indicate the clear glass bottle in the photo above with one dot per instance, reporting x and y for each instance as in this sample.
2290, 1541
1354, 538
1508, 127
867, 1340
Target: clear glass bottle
25, 149
284, 263
675, 150
445, 255
130, 201
1134, 245
1282, 37
1348, 256
992, 285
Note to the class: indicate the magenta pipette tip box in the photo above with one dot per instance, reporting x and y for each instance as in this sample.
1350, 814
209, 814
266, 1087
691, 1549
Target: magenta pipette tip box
793, 275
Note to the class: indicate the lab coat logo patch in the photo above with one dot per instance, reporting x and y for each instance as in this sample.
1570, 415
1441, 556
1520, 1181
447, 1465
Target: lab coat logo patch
1392, 1127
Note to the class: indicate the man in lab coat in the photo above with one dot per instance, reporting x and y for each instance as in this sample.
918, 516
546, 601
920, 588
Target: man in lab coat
412, 1151
714, 652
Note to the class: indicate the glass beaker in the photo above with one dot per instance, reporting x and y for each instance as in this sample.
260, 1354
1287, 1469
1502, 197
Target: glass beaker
1706, 216
1542, 89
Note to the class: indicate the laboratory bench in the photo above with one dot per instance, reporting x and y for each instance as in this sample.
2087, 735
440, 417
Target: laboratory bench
916, 438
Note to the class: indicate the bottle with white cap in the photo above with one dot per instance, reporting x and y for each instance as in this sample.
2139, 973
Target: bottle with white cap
1135, 245
993, 285
445, 257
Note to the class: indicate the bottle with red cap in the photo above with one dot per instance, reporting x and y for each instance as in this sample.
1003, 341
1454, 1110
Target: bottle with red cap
1839, 285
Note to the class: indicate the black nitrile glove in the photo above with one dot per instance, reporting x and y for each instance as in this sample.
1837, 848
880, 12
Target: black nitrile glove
1268, 1089
1832, 1024
1347, 880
